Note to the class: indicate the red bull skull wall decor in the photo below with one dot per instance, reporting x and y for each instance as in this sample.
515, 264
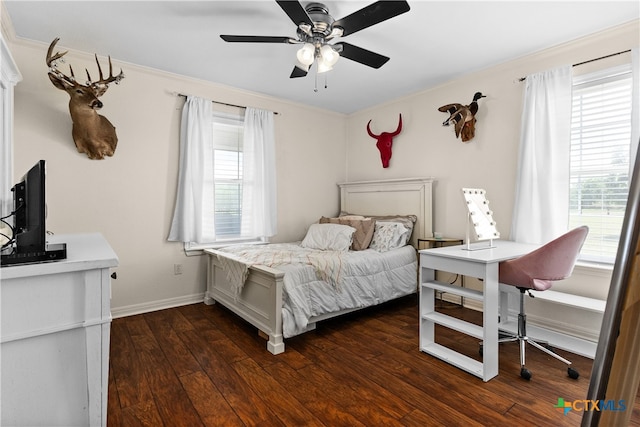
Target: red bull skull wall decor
385, 142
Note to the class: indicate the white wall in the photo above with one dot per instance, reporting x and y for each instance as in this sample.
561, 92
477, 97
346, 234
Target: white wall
489, 161
129, 198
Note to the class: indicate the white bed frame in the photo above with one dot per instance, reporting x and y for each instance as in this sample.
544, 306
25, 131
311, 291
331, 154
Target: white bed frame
260, 302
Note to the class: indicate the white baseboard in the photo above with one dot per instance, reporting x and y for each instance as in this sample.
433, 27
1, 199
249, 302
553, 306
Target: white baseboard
570, 337
130, 310
576, 345
563, 327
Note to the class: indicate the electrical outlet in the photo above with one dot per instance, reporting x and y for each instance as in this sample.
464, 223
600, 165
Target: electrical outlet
177, 269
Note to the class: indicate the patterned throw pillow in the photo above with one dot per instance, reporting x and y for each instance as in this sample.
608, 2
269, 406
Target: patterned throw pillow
389, 235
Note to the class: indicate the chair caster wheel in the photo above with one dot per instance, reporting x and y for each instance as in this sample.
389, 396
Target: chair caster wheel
573, 373
525, 373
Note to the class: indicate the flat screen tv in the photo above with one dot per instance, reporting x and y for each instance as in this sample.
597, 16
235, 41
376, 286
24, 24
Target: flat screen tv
29, 204
29, 243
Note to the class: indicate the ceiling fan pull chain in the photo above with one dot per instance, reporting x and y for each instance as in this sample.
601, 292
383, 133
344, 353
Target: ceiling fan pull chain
315, 89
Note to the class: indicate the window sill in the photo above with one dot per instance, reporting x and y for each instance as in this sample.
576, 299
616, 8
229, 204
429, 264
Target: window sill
193, 249
594, 268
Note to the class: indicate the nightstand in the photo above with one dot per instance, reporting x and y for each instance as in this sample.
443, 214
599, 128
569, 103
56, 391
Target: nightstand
433, 242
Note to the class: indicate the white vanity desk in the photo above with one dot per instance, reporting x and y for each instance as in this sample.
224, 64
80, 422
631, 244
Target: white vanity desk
55, 328
483, 264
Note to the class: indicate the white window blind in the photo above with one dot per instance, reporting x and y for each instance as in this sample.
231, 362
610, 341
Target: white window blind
227, 175
600, 155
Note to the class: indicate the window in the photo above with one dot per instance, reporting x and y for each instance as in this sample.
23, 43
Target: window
600, 159
227, 176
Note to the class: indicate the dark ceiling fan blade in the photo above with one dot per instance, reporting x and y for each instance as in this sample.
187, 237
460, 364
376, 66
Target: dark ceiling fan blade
296, 12
255, 39
371, 15
363, 56
297, 72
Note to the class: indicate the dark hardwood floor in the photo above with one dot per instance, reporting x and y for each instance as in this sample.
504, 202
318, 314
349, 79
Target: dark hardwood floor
202, 365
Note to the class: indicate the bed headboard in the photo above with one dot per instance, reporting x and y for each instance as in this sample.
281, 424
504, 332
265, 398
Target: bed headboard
409, 196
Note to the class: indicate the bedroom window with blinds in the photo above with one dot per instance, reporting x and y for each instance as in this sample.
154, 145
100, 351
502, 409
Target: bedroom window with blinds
600, 156
227, 175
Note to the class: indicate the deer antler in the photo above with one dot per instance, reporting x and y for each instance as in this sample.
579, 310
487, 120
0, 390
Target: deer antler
103, 81
58, 55
53, 68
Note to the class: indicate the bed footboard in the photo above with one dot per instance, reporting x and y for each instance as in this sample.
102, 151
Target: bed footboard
259, 303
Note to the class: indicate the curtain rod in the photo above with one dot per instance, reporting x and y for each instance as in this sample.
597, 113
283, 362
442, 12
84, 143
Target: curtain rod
222, 103
590, 60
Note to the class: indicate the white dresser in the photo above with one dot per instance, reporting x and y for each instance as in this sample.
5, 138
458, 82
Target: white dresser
54, 336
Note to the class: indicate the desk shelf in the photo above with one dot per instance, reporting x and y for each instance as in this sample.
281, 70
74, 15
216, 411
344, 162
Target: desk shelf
429, 318
454, 323
454, 358
455, 290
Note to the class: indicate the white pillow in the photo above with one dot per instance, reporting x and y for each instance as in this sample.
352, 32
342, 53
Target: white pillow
389, 235
328, 237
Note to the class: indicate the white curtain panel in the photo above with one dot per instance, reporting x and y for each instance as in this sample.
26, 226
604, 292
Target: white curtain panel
195, 193
259, 209
541, 210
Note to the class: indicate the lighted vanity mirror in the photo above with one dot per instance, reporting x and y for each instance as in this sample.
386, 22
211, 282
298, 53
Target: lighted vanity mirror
480, 217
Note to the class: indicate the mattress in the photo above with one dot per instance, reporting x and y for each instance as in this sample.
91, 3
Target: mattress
317, 283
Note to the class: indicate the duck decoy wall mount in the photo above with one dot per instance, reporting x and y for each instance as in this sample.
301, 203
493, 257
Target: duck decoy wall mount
463, 117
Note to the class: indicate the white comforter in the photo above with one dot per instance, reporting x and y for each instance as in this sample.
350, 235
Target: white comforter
321, 282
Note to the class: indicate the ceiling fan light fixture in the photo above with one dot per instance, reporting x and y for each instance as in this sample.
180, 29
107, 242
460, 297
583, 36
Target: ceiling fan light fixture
329, 55
303, 67
306, 54
323, 66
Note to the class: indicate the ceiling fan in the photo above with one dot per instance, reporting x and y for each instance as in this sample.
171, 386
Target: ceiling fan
316, 27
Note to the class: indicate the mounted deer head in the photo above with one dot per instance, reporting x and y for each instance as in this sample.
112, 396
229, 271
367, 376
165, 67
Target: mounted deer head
92, 133
385, 142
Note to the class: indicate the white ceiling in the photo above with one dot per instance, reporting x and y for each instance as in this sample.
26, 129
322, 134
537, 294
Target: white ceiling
434, 42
